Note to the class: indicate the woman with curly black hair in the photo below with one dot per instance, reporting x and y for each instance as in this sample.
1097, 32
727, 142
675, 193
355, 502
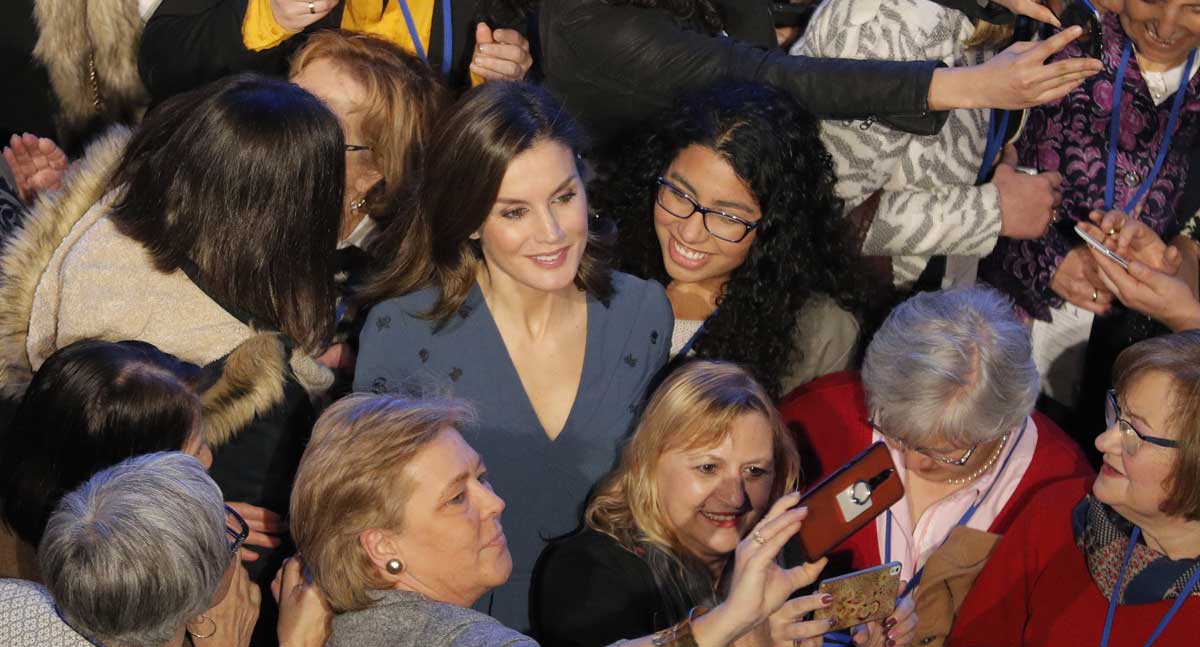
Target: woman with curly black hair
729, 202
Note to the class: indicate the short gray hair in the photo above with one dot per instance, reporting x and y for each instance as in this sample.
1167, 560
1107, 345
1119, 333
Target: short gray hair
954, 365
137, 550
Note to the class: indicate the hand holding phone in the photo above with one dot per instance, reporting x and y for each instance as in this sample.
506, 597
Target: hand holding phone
860, 597
1100, 247
1084, 14
847, 500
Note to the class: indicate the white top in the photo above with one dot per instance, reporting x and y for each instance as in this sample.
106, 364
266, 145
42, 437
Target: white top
28, 618
685, 329
1164, 84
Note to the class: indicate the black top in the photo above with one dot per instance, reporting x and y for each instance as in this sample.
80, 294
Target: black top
589, 591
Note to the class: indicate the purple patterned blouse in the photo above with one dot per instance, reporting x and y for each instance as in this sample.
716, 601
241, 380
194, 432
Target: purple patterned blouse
1071, 136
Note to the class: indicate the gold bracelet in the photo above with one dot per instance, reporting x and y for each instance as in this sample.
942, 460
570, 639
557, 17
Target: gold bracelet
679, 635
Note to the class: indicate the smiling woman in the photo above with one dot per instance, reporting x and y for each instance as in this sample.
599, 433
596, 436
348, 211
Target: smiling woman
501, 294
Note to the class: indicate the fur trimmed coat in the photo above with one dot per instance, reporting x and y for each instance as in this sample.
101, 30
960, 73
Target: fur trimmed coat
67, 274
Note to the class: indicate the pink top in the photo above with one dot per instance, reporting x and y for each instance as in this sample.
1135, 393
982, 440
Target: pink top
913, 546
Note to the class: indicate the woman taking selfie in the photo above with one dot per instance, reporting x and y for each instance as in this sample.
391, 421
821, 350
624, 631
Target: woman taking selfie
398, 520
500, 294
1119, 565
729, 203
709, 466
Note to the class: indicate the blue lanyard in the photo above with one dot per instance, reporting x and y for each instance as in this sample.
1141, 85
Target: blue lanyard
966, 518
447, 34
1114, 128
995, 139
1112, 600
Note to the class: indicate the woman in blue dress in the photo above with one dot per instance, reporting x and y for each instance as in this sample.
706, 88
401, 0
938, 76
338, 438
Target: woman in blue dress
500, 294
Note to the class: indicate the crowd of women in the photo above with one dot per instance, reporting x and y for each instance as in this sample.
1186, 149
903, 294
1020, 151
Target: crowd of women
500, 322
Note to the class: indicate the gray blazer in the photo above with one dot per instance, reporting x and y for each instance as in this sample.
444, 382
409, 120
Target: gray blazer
407, 619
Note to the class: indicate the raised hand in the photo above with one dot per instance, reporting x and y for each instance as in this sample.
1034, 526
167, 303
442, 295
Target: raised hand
295, 15
304, 615
266, 528
37, 163
500, 55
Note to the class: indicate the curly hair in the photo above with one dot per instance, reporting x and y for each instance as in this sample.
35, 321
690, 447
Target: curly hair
703, 10
803, 246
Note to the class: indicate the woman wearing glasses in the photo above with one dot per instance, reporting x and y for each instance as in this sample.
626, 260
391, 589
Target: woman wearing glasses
1118, 566
949, 385
729, 203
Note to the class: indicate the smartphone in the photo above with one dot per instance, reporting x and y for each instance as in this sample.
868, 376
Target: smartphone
1084, 14
862, 596
1099, 246
847, 500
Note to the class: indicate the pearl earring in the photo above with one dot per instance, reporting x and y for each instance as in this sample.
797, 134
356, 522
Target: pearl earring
394, 566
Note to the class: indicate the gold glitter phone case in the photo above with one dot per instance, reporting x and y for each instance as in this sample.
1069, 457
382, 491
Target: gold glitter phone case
861, 596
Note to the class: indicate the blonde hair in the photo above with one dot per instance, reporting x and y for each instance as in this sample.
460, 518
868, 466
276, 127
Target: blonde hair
353, 478
989, 36
404, 97
693, 408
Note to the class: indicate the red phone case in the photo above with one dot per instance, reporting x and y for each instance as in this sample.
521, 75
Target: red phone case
827, 524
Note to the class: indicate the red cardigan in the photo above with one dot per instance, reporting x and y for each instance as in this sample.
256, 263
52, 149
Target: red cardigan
1036, 590
829, 418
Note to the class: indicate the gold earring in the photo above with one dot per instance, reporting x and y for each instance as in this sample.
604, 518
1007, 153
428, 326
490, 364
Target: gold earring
207, 635
394, 566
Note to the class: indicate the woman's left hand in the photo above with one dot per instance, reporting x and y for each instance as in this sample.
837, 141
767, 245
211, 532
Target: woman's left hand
898, 630
502, 55
266, 528
790, 629
304, 615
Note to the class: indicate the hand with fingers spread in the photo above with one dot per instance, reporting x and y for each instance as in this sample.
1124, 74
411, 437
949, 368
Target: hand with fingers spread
759, 586
304, 615
232, 619
295, 15
37, 163
1016, 78
266, 528
1027, 202
502, 55
1078, 281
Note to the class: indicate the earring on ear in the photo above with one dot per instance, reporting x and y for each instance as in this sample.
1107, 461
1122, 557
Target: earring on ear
474, 236
394, 566
207, 620
357, 204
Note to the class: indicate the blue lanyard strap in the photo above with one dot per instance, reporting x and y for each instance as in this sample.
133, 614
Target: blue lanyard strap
997, 128
964, 520
1112, 600
447, 34
1114, 128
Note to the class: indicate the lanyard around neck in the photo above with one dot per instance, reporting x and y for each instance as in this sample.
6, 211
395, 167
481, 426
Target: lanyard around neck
447, 34
964, 520
1112, 600
1114, 128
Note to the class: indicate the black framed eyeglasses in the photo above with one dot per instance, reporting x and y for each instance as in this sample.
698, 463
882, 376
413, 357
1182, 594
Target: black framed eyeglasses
355, 148
937, 456
1131, 438
237, 537
725, 226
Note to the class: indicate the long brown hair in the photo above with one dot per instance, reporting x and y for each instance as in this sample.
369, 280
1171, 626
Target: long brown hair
693, 408
471, 149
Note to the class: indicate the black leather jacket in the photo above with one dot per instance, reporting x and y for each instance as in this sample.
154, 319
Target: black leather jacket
617, 65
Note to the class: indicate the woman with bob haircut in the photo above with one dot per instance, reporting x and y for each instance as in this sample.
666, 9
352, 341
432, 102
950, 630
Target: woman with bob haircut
108, 584
398, 522
709, 458
729, 202
948, 384
91, 405
215, 220
1115, 560
501, 295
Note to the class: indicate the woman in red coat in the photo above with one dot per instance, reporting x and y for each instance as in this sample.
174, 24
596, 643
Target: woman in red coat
1120, 566
949, 384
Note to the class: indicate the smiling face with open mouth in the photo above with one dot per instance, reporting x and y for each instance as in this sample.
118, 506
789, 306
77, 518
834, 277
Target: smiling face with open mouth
1163, 31
713, 496
691, 254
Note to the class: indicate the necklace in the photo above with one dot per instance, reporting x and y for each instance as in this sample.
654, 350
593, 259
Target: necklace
986, 466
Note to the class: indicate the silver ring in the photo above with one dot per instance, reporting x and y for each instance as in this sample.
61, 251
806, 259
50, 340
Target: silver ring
758, 538
312, 7
1095, 295
1027, 170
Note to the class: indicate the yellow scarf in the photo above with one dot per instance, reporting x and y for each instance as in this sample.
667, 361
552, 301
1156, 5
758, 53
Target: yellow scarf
260, 31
